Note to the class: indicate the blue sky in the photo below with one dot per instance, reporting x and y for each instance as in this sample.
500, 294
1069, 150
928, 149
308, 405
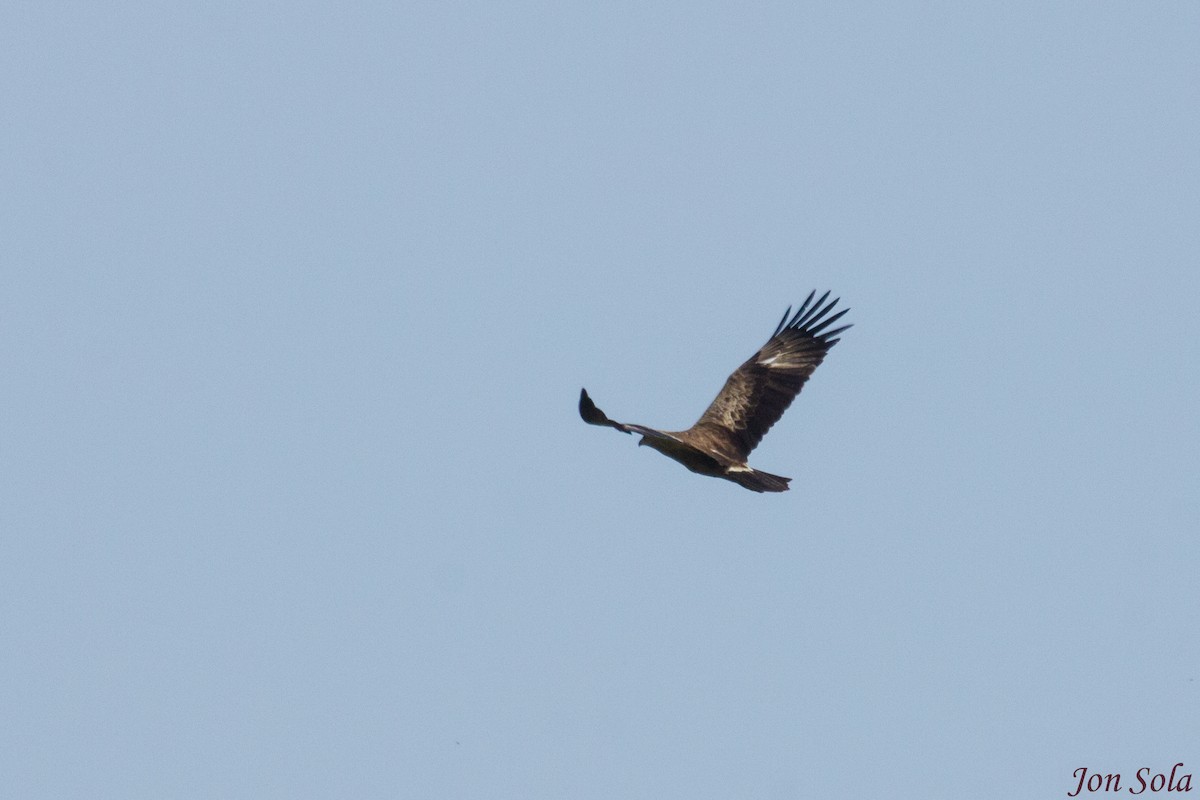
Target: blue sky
297, 301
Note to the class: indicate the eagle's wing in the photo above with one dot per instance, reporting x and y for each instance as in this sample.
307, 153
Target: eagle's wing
759, 391
594, 416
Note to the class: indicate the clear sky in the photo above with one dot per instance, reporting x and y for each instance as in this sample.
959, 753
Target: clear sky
296, 301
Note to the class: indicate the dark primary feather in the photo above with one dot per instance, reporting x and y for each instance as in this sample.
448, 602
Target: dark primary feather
594, 416
759, 391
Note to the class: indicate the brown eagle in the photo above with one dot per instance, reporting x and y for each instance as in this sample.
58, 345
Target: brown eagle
752, 400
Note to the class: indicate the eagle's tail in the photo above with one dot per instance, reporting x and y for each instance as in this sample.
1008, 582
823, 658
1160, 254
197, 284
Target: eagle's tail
757, 481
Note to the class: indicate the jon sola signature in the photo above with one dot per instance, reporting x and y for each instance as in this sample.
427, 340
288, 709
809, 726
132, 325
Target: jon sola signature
1147, 780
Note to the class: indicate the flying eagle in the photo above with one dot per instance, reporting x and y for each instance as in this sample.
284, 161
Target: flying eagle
752, 400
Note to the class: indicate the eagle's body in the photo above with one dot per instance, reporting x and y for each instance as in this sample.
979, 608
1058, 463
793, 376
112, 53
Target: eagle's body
752, 400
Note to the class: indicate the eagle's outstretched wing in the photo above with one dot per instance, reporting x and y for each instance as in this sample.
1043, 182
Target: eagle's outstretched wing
594, 416
759, 391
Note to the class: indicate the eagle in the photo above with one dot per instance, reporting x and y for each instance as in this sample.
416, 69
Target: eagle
753, 399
